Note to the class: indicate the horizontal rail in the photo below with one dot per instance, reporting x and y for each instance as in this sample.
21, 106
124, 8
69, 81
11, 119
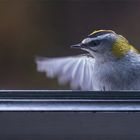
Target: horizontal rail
49, 100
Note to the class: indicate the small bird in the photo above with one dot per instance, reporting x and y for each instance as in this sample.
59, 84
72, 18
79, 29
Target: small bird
110, 63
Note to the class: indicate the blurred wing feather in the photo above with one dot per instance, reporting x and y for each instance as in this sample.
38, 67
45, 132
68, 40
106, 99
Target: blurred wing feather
78, 70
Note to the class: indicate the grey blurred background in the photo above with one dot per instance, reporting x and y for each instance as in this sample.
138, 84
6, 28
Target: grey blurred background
48, 27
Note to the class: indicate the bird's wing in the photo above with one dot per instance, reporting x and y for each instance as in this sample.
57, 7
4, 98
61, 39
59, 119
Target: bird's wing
77, 70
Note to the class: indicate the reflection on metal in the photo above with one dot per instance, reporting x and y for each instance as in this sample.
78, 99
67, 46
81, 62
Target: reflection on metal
45, 100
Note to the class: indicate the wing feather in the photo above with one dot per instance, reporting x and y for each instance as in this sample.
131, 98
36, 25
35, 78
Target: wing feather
78, 70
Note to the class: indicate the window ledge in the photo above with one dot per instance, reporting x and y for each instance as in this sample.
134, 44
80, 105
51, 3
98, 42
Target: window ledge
49, 100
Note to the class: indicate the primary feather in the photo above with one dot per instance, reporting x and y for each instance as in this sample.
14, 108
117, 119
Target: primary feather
78, 70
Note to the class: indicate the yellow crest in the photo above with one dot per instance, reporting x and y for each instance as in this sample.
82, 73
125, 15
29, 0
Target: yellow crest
102, 31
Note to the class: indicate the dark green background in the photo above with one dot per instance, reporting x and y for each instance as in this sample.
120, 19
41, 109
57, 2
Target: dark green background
30, 28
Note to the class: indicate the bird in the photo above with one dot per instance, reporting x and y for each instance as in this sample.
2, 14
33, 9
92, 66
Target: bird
110, 63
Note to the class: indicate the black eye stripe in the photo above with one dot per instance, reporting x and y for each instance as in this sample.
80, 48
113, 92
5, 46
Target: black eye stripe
94, 43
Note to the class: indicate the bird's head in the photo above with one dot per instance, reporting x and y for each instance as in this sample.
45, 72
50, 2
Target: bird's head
105, 44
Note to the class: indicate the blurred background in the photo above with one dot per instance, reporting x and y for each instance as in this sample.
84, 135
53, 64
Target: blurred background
30, 28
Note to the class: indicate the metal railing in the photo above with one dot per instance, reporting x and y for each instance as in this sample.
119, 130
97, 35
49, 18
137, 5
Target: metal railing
49, 100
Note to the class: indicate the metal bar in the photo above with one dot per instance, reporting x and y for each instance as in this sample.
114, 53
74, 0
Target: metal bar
44, 100
67, 94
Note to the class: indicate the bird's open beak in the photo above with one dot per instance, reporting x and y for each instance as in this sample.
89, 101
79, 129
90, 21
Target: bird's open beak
76, 46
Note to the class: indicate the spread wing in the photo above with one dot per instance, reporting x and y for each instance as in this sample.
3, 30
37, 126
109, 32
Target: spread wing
76, 70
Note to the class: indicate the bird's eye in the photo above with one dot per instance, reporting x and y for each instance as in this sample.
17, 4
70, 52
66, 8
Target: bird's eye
94, 43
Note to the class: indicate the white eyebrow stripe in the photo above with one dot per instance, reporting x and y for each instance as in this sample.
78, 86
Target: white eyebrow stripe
103, 36
87, 40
